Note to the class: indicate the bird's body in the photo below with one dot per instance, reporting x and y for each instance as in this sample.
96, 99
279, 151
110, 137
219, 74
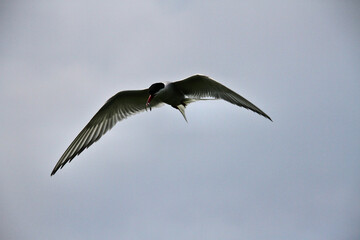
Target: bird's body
170, 95
125, 103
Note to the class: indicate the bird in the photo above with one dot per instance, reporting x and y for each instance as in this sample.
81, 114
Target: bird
126, 103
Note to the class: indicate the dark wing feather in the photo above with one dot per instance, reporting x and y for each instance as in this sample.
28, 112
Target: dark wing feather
199, 87
117, 108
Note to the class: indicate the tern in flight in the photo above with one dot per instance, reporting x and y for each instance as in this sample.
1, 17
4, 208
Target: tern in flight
123, 104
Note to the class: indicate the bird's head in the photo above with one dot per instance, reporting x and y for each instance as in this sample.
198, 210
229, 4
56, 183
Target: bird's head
153, 90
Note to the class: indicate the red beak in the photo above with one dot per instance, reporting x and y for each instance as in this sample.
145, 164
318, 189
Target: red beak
149, 100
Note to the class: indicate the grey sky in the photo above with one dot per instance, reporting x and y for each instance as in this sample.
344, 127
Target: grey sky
228, 173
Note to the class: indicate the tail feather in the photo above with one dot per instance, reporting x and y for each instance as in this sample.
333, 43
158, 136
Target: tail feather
187, 101
181, 108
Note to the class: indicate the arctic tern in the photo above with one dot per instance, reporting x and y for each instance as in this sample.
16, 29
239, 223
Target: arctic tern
126, 103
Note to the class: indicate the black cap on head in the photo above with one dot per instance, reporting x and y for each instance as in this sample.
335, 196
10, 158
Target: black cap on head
153, 89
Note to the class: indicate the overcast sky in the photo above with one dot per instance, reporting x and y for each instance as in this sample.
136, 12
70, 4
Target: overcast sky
226, 174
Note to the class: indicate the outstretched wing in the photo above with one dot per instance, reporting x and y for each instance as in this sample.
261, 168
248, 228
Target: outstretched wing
117, 108
198, 87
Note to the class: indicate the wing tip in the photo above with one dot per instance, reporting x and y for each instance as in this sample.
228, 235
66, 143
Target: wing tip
62, 162
56, 168
262, 114
53, 171
266, 116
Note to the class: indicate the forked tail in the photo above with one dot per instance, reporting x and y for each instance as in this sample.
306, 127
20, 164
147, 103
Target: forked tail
182, 110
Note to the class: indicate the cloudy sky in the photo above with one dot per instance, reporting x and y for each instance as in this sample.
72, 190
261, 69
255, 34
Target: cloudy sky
226, 174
